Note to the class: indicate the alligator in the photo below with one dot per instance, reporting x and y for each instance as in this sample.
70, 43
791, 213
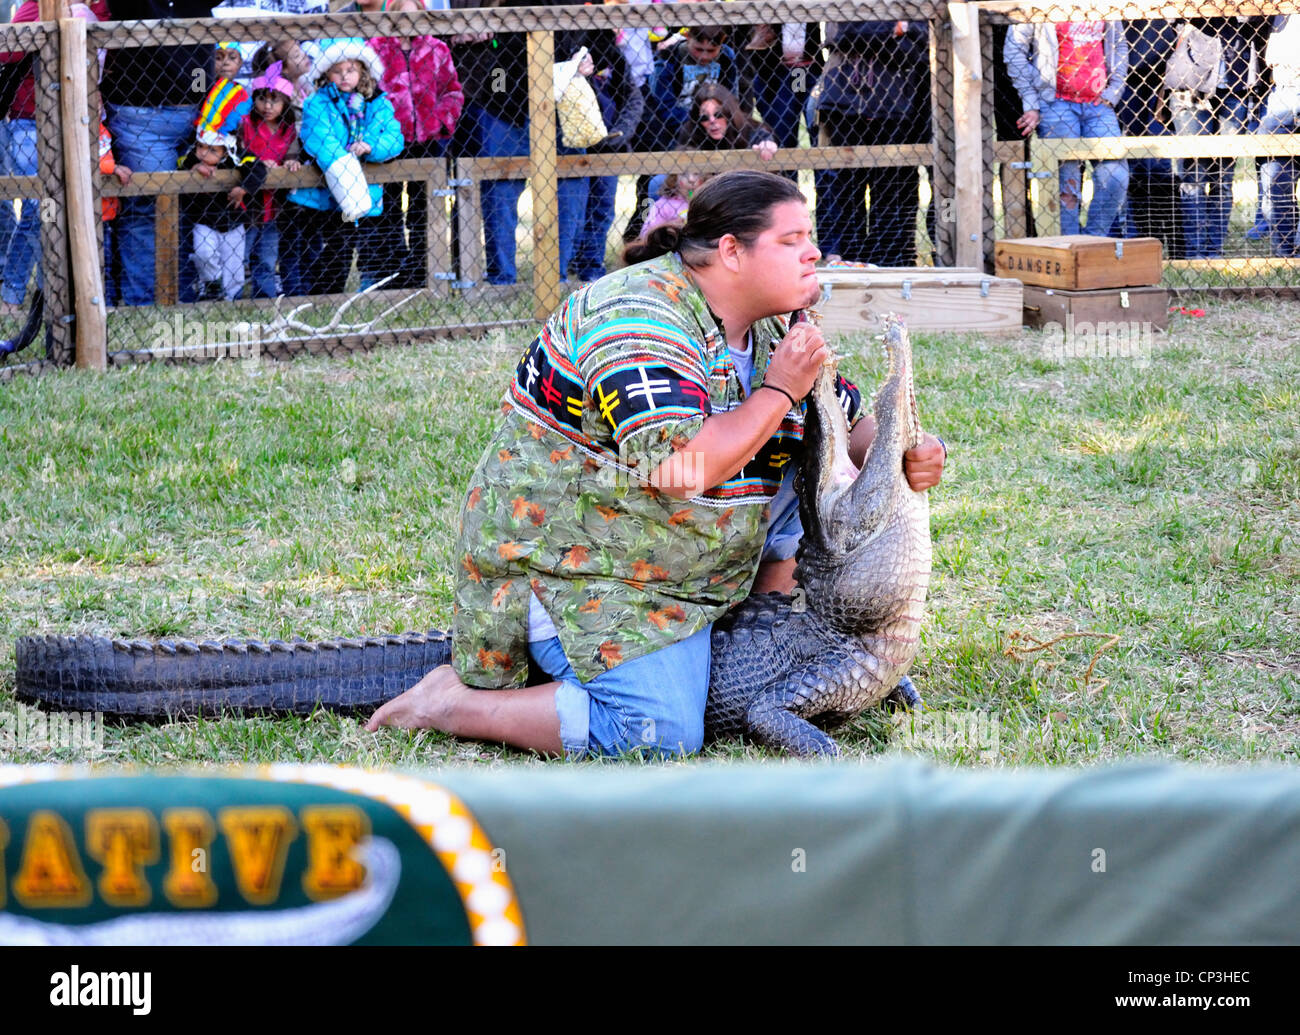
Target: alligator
785, 668
788, 668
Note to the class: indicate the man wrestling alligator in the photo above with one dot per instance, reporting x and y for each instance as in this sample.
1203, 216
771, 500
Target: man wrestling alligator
636, 483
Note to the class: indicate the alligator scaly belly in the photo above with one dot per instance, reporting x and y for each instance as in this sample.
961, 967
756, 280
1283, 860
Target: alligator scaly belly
787, 669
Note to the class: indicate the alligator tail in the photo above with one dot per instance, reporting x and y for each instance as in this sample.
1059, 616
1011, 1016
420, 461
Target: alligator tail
172, 678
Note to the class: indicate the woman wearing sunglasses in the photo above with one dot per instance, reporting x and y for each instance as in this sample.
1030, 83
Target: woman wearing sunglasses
718, 124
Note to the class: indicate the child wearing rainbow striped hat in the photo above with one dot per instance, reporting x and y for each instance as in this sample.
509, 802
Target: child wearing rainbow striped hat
220, 218
227, 102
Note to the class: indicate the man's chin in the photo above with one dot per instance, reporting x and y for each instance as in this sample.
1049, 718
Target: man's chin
814, 293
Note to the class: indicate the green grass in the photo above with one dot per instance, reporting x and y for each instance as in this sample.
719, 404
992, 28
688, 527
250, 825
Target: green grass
1158, 500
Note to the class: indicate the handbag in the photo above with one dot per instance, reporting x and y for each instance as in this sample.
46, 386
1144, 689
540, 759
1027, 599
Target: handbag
581, 124
847, 87
1194, 64
347, 186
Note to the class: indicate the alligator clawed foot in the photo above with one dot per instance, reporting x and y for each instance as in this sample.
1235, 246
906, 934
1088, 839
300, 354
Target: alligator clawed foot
904, 697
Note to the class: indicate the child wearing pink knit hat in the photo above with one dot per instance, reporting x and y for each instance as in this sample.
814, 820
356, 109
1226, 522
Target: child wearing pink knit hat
269, 133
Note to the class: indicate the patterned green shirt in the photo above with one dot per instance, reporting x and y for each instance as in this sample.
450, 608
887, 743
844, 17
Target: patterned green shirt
621, 376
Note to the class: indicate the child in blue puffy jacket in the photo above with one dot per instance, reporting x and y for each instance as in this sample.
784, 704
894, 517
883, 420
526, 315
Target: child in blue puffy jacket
346, 122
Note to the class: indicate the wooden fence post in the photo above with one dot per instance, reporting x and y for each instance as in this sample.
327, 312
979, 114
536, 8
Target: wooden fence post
942, 187
54, 216
1044, 190
542, 168
988, 136
87, 276
967, 93
469, 221
437, 248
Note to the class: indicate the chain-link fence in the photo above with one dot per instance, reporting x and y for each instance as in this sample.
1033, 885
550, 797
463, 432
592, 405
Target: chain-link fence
1177, 128
488, 160
35, 297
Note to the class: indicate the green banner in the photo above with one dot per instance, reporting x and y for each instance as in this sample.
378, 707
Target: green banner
286, 855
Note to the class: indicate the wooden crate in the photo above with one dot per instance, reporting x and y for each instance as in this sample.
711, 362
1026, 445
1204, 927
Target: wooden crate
1134, 307
926, 298
1077, 262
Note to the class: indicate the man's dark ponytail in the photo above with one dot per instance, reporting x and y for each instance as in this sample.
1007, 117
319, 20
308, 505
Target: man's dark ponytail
660, 241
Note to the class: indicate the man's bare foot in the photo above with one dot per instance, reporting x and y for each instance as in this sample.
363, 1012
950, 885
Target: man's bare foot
430, 704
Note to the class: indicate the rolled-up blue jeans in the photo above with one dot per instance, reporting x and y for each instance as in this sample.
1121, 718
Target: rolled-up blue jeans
653, 705
25, 244
145, 140
1109, 179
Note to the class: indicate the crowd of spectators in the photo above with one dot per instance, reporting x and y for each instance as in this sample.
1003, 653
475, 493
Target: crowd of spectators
344, 105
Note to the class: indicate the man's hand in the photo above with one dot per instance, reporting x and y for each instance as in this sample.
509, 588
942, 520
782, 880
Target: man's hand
797, 359
1027, 123
726, 441
923, 466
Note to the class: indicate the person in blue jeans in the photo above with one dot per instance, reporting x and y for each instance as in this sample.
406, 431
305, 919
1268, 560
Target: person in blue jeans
1205, 184
18, 88
781, 62
7, 221
500, 198
25, 244
1282, 115
1070, 75
621, 106
494, 74
151, 95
